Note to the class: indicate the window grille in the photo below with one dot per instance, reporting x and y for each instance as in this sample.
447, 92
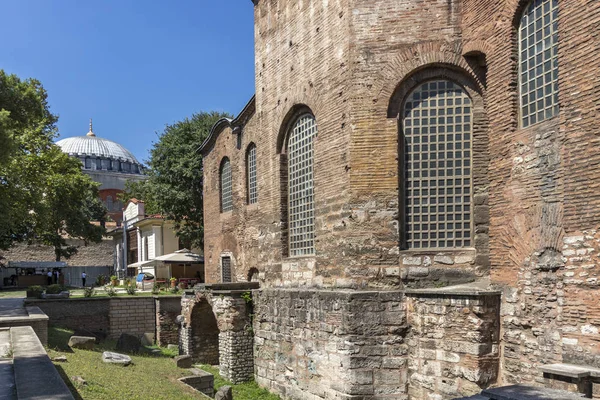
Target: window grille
437, 128
301, 206
251, 172
538, 61
226, 268
226, 195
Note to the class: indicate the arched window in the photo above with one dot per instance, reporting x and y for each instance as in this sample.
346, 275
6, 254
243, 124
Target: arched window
226, 195
251, 183
109, 203
538, 61
301, 204
437, 128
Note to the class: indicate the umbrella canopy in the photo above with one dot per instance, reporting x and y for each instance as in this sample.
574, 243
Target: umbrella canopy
183, 256
141, 264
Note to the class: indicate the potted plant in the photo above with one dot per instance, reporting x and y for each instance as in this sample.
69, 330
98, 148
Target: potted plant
35, 291
100, 280
113, 280
173, 282
183, 285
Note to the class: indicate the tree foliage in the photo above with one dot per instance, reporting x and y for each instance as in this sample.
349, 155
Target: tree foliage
44, 195
174, 185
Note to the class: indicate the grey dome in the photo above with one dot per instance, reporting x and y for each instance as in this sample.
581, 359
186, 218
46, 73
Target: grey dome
94, 146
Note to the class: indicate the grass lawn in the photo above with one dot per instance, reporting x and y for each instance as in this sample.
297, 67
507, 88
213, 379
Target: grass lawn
149, 377
12, 293
242, 391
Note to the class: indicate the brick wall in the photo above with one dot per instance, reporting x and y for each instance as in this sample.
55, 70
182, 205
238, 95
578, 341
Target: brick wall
113, 316
134, 316
167, 329
90, 314
534, 189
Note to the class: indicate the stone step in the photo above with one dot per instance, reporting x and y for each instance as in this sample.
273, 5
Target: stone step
522, 392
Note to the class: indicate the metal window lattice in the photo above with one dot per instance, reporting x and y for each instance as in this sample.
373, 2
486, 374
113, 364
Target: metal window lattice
437, 127
301, 192
251, 168
226, 198
226, 268
538, 61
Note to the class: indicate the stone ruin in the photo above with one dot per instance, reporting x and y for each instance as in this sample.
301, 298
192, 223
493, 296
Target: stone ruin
216, 328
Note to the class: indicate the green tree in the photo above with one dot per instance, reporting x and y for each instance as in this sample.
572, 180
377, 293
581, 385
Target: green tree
174, 185
44, 195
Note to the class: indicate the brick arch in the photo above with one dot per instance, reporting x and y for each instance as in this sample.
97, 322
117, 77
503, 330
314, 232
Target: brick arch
205, 331
306, 98
419, 57
480, 146
477, 46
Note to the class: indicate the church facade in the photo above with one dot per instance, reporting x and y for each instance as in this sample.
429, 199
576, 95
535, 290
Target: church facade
414, 185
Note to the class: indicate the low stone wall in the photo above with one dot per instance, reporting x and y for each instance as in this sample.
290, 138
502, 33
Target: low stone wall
321, 344
31, 316
90, 314
132, 315
112, 316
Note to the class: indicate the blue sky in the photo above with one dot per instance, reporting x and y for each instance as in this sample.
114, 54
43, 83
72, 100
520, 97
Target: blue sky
133, 66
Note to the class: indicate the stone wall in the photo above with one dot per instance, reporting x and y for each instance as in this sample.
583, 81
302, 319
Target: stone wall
454, 343
167, 328
89, 314
111, 316
216, 328
132, 315
92, 255
331, 344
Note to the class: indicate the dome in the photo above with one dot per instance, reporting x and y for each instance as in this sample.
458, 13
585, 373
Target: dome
100, 154
95, 146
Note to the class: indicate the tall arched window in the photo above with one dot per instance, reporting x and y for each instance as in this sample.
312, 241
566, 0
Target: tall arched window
109, 203
226, 195
301, 205
538, 61
251, 183
437, 160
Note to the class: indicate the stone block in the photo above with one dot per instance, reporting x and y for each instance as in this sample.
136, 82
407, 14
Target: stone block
115, 358
184, 361
224, 393
82, 342
128, 343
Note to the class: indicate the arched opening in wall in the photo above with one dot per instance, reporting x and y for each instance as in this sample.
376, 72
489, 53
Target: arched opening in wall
205, 334
295, 146
443, 161
253, 275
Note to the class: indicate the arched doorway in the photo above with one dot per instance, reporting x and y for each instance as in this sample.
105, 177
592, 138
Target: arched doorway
205, 334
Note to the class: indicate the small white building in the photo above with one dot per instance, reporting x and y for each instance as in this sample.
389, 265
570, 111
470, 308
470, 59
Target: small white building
142, 239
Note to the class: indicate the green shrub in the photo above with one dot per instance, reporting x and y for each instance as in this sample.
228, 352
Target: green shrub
100, 280
88, 291
110, 291
54, 289
155, 289
174, 290
130, 289
35, 291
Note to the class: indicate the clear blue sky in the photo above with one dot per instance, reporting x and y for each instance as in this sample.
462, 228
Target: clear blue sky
133, 66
